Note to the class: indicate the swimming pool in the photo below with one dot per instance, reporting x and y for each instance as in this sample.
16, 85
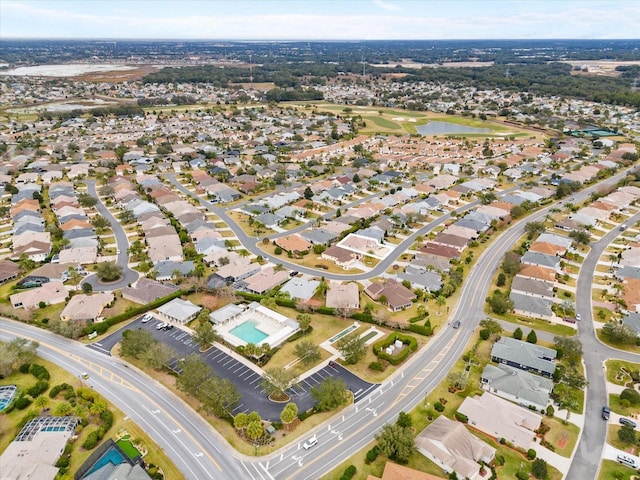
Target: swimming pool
249, 332
110, 456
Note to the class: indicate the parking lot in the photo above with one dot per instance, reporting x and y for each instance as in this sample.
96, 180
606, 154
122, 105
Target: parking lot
244, 375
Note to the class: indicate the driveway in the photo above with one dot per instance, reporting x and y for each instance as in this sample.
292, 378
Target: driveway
245, 375
128, 276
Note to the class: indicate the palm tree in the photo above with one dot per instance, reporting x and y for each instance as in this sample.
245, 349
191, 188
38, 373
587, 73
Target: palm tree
440, 301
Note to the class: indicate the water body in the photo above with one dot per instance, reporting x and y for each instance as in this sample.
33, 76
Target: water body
438, 128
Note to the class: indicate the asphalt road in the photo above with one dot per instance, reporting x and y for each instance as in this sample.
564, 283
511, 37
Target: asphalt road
200, 453
589, 450
128, 276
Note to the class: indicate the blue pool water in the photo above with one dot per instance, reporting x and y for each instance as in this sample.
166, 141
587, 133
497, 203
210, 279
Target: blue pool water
248, 332
110, 456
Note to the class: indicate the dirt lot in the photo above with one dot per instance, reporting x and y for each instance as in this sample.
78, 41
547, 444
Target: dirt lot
599, 67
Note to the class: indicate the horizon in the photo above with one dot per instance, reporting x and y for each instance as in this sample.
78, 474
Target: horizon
327, 20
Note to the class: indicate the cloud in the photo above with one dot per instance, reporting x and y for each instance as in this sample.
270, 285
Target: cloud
388, 6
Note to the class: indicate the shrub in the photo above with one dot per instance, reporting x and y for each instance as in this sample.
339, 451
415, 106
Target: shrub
22, 403
531, 454
421, 329
485, 334
522, 476
550, 411
91, 441
39, 372
500, 460
461, 417
377, 366
349, 473
372, 455
278, 251
631, 395
24, 368
38, 389
438, 406
63, 462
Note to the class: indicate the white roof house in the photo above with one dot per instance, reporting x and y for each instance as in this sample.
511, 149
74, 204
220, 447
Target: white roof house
178, 311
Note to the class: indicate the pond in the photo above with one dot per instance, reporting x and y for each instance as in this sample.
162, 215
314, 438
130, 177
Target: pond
438, 128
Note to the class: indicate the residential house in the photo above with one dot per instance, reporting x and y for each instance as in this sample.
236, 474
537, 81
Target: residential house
343, 295
86, 308
453, 448
340, 256
397, 296
8, 271
393, 471
300, 288
532, 306
147, 290
500, 418
166, 269
265, 280
519, 386
421, 277
293, 243
49, 293
525, 356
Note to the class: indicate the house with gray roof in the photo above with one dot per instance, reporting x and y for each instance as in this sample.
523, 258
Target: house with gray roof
555, 239
524, 356
627, 272
541, 259
165, 269
519, 386
422, 278
269, 220
532, 286
531, 305
318, 236
300, 288
473, 224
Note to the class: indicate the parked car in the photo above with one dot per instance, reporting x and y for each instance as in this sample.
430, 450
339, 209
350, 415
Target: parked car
606, 413
293, 274
627, 460
146, 318
578, 317
626, 421
161, 326
168, 326
310, 443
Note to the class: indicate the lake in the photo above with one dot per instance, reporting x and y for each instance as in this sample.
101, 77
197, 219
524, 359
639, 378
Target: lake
438, 128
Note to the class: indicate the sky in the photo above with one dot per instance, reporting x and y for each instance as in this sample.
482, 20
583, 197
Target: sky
320, 19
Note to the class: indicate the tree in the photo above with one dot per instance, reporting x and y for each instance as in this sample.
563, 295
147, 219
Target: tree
240, 421
619, 333
532, 337
108, 271
404, 420
74, 276
195, 373
580, 237
500, 302
539, 468
276, 381
218, 396
304, 320
458, 380
396, 443
568, 348
86, 288
135, 342
254, 431
289, 413
15, 353
307, 352
25, 263
492, 325
205, 335
308, 193
329, 394
440, 301
353, 348
158, 356
627, 434
511, 263
502, 279
534, 228
86, 200
517, 211
517, 333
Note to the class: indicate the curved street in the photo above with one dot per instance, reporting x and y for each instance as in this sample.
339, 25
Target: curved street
128, 276
200, 452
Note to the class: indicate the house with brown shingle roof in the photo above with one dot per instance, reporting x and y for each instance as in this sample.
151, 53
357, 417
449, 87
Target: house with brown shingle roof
548, 248
397, 296
340, 256
536, 271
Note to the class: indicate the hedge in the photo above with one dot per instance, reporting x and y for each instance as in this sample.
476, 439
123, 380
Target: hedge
39, 372
379, 346
420, 329
349, 473
109, 322
38, 389
461, 417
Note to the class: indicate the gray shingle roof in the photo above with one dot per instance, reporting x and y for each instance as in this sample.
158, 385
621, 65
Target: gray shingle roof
525, 354
519, 383
531, 304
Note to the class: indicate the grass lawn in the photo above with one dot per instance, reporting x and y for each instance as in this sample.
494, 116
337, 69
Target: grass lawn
619, 346
120, 306
242, 220
128, 448
561, 432
610, 470
614, 405
538, 324
616, 375
612, 439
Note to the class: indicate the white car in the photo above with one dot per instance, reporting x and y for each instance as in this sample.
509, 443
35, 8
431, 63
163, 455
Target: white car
117, 251
310, 443
160, 326
578, 317
146, 318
